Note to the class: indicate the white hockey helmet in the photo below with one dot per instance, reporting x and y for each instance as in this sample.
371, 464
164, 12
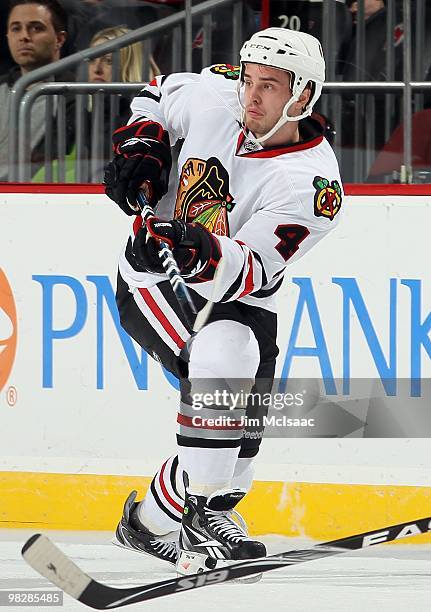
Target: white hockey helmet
298, 53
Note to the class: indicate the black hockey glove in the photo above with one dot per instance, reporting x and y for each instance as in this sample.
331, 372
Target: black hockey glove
196, 250
142, 155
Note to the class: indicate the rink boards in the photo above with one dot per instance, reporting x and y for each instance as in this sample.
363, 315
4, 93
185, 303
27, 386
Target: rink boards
85, 416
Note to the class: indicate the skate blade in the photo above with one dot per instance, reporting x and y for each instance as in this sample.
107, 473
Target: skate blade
116, 542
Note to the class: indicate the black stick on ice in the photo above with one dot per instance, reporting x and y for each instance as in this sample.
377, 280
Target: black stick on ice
44, 556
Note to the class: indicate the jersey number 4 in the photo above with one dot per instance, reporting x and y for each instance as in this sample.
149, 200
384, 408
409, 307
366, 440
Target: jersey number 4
291, 237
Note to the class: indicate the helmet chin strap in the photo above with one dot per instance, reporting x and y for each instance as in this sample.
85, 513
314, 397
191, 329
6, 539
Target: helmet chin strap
285, 118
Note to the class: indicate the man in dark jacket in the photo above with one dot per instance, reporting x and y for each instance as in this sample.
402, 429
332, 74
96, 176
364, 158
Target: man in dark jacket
36, 31
373, 68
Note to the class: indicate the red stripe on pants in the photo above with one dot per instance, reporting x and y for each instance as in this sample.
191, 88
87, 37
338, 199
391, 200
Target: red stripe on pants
160, 316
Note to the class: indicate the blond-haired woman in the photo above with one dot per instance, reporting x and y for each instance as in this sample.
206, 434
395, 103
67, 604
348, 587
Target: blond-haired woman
131, 59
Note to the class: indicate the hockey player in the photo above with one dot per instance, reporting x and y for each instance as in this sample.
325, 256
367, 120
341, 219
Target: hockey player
258, 185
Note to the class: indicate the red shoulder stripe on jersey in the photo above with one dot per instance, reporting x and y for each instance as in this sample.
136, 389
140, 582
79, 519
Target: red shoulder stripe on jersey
157, 312
275, 151
165, 492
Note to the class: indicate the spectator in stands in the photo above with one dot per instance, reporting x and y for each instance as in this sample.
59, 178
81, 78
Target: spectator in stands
36, 31
131, 59
373, 69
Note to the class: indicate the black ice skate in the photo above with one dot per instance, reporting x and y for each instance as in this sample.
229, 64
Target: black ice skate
210, 537
133, 535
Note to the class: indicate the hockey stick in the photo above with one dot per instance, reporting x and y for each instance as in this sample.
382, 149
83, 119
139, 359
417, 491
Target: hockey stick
195, 319
53, 564
167, 258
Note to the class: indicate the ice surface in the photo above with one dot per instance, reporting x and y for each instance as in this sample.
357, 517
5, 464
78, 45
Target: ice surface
383, 578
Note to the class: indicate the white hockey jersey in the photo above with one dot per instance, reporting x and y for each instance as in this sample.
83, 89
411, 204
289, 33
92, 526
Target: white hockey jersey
267, 206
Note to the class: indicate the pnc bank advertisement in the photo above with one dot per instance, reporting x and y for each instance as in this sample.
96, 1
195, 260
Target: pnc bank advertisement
354, 330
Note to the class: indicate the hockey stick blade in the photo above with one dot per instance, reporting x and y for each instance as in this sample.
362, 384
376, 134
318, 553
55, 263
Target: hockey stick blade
53, 564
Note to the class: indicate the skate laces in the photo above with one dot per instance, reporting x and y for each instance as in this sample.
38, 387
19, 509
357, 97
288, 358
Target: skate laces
228, 524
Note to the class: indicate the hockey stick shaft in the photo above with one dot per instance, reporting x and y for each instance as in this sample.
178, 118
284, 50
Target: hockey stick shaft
53, 564
170, 266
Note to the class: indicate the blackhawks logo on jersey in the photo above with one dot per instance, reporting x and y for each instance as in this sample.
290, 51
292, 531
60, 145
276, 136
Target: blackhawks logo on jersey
327, 199
203, 195
226, 70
